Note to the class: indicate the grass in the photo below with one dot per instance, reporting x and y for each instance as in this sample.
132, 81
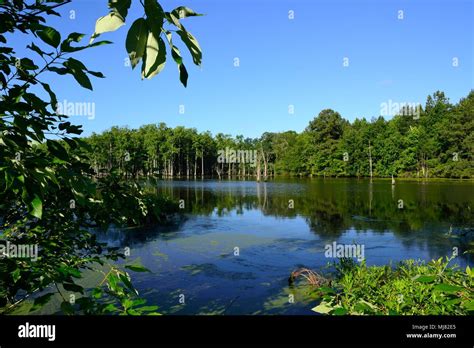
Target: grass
410, 288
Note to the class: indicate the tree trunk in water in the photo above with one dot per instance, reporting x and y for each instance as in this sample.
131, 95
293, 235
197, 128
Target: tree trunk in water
370, 161
258, 168
195, 165
202, 164
187, 165
265, 167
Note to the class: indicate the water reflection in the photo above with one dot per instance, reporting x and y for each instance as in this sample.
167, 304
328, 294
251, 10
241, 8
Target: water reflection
281, 225
333, 207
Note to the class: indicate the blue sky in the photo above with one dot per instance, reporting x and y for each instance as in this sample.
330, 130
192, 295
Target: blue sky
283, 62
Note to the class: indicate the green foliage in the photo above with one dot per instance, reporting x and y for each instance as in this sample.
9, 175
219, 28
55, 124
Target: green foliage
49, 196
125, 203
411, 288
114, 295
144, 39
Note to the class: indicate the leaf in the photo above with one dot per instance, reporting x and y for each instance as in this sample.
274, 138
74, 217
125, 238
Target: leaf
27, 64
56, 149
120, 6
155, 56
73, 287
107, 23
73, 37
127, 283
75, 64
114, 20
76, 37
100, 43
155, 15
447, 288
96, 74
340, 311
36, 207
70, 271
469, 272
183, 12
64, 125
174, 50
97, 293
453, 301
16, 275
76, 68
52, 95
148, 308
192, 45
173, 19
137, 268
67, 308
425, 279
326, 290
469, 305
50, 36
183, 75
323, 308
136, 41
110, 308
368, 304
59, 71
41, 301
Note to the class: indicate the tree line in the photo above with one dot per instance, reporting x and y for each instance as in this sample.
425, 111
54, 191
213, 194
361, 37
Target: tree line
435, 141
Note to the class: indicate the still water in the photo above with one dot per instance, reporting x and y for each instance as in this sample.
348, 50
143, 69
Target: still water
238, 242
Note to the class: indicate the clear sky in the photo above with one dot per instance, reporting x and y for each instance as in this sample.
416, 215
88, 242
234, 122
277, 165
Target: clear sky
283, 62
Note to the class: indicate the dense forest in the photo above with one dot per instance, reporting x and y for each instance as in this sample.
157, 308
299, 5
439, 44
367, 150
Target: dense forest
437, 142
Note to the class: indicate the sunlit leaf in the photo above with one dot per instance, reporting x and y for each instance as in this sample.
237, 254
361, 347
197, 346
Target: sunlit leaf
155, 56
107, 23
36, 207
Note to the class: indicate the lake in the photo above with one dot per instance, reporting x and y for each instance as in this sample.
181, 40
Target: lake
238, 242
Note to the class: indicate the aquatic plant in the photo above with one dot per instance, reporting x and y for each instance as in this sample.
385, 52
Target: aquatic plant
410, 288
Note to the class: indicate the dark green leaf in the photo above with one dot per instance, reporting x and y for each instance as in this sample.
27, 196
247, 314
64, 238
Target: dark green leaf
41, 301
183, 75
73, 287
67, 308
52, 95
50, 36
447, 288
183, 12
426, 279
137, 268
